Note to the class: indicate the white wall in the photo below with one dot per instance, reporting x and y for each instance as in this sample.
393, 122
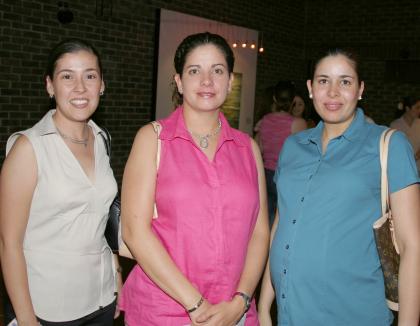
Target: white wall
174, 27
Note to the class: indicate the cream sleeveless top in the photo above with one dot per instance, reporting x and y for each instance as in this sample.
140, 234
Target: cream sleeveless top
70, 266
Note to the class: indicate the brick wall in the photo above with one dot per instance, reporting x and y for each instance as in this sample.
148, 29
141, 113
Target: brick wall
126, 40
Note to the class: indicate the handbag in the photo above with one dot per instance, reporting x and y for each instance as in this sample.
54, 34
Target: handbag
113, 228
384, 231
112, 225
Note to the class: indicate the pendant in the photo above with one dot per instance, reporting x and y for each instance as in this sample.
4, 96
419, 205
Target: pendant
204, 142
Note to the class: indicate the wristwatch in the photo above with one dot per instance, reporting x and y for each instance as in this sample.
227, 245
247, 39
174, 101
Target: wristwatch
246, 297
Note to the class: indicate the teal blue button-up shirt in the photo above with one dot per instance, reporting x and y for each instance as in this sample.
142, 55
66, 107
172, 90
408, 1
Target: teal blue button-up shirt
324, 263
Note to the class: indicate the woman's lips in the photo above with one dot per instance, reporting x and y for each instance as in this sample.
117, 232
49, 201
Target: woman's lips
332, 106
79, 102
205, 94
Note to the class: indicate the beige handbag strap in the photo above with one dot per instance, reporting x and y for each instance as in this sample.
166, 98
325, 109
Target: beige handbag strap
383, 155
385, 200
158, 128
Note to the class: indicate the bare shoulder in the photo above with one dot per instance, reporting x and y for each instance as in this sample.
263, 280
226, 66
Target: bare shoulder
299, 124
19, 170
144, 148
145, 138
21, 153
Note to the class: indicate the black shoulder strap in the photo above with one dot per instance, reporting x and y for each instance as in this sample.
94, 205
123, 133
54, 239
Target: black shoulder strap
107, 140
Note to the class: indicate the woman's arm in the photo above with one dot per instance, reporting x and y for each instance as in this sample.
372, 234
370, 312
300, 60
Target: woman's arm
405, 205
225, 313
267, 294
137, 199
17, 184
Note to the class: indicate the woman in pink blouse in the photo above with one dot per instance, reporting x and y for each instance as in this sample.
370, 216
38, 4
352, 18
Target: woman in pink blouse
200, 260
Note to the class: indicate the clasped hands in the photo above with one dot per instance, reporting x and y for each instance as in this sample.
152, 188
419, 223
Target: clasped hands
225, 313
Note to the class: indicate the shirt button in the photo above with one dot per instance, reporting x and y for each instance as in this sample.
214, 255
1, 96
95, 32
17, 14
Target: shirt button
287, 246
294, 221
302, 199
283, 296
284, 271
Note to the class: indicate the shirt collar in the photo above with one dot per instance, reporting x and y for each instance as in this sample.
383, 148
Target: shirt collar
174, 127
352, 133
47, 126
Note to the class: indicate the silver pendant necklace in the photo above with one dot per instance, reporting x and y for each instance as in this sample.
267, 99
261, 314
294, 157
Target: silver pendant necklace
203, 141
74, 140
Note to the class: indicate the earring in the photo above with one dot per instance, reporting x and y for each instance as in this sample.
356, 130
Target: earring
180, 91
310, 95
360, 97
101, 93
51, 96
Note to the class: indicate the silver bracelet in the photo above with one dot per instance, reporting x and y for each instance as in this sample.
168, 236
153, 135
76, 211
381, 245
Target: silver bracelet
197, 305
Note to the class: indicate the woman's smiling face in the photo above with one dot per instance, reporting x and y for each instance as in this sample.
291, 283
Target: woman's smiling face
335, 89
76, 85
205, 80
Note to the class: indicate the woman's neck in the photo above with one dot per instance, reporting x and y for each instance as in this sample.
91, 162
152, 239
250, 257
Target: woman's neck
75, 129
333, 130
201, 123
408, 118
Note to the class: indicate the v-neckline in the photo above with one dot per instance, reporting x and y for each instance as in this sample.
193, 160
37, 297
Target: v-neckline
80, 167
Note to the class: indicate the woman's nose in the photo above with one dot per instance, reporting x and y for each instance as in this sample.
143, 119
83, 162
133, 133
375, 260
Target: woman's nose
333, 90
80, 85
206, 79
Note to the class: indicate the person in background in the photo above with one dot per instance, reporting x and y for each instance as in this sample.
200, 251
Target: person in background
299, 109
200, 260
408, 121
56, 187
324, 267
271, 132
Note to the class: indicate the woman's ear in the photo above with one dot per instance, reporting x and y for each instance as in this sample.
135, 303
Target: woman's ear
361, 89
309, 86
49, 86
178, 82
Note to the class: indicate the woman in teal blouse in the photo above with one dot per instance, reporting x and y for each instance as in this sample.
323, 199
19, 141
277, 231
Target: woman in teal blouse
324, 264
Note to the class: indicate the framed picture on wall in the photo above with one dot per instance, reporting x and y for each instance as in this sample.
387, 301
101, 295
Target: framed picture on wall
232, 107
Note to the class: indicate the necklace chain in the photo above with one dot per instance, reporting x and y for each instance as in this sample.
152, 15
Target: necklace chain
204, 139
74, 140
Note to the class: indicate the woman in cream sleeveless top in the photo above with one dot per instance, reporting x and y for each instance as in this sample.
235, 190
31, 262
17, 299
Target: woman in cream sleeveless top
55, 191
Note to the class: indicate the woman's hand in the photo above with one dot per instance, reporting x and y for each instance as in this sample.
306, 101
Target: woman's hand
119, 287
205, 306
222, 314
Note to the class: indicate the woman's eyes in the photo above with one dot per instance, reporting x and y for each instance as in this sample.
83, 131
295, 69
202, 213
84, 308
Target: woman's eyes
216, 71
90, 76
343, 82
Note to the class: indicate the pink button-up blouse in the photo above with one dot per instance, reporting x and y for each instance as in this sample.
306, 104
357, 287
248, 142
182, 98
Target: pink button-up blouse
207, 212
